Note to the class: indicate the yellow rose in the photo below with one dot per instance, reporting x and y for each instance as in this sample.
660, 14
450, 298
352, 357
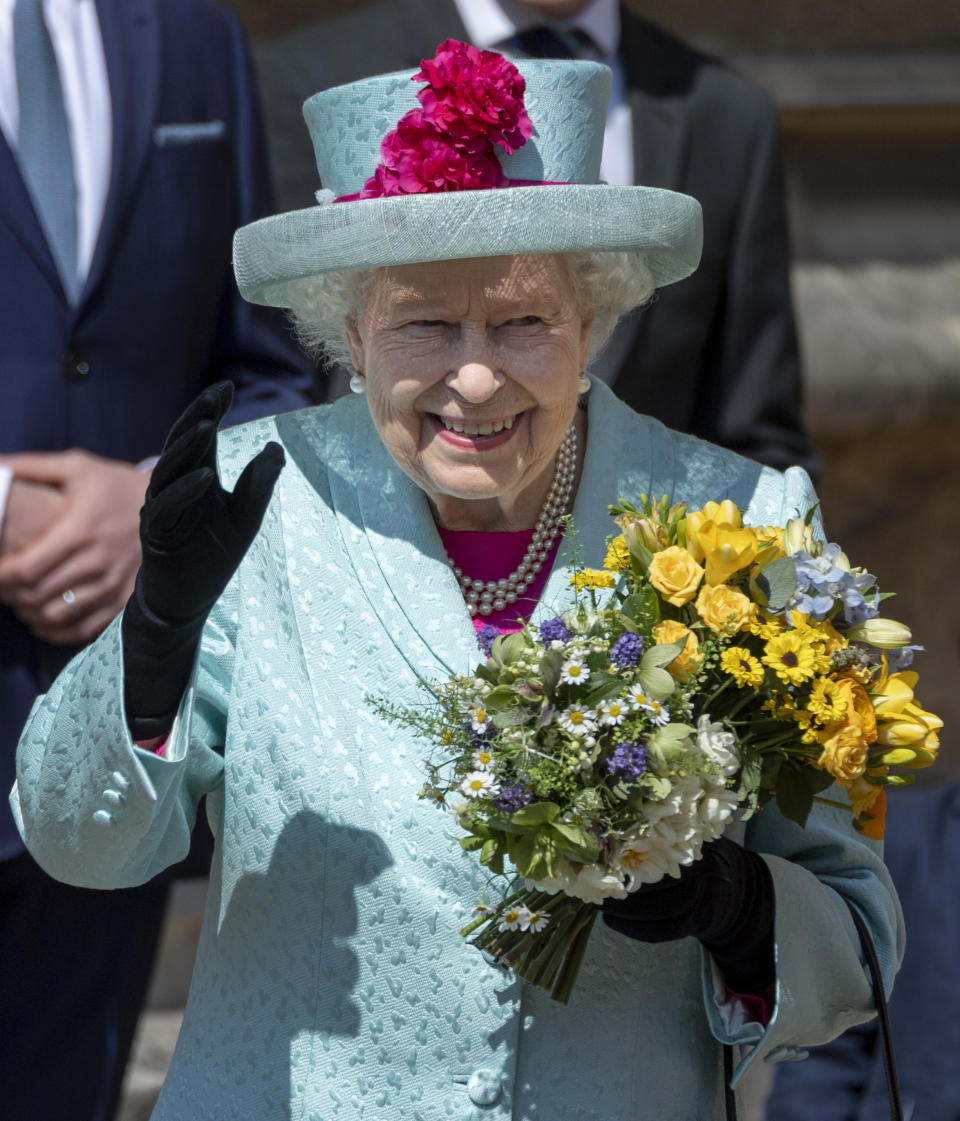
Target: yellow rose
684, 666
847, 742
675, 575
724, 609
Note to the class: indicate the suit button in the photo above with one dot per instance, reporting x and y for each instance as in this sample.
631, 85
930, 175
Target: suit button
75, 368
484, 1087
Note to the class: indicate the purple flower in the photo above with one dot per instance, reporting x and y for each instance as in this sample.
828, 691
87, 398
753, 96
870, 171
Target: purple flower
627, 649
553, 630
485, 637
512, 797
481, 739
629, 760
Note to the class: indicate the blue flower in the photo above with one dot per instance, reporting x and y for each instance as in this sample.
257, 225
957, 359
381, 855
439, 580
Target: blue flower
628, 759
627, 649
822, 583
485, 637
512, 797
553, 630
901, 658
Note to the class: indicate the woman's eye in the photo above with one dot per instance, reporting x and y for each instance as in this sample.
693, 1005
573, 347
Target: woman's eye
524, 321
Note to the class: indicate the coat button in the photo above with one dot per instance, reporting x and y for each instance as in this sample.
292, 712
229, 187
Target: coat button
484, 1087
75, 367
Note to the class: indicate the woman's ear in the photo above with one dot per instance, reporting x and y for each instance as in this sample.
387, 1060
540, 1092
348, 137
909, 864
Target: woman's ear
354, 343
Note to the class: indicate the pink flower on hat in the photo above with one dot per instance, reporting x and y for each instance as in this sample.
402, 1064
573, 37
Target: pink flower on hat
473, 101
416, 159
473, 93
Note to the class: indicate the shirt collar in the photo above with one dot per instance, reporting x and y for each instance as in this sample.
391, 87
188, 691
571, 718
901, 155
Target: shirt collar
490, 22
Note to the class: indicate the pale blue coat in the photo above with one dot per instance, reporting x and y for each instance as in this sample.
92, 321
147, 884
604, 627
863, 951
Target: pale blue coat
331, 982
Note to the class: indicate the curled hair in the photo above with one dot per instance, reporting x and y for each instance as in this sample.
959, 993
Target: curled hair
606, 285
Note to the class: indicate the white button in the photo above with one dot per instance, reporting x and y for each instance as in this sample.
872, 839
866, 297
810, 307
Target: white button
484, 1087
101, 817
120, 779
113, 798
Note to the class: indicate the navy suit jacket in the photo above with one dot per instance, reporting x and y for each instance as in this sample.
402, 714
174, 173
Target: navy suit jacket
844, 1080
716, 354
159, 317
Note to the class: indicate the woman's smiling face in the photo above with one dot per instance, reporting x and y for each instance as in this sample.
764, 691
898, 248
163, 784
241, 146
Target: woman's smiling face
472, 371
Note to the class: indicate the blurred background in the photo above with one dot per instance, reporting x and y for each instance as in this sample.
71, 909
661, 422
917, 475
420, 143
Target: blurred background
868, 94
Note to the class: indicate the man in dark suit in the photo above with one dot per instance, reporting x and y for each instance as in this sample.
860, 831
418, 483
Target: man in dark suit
716, 354
844, 1080
106, 334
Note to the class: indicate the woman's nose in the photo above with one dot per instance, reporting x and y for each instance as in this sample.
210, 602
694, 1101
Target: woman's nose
474, 381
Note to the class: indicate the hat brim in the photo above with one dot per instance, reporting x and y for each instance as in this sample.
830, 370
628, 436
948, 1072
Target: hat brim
665, 226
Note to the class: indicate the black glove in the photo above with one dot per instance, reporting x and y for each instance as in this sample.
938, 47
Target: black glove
193, 535
725, 899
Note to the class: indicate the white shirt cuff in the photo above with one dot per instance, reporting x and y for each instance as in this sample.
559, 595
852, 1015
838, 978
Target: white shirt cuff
6, 478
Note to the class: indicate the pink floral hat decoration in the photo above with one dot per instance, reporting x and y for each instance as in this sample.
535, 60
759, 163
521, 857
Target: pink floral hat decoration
486, 158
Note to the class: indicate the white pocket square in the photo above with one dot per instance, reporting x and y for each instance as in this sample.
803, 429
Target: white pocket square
191, 133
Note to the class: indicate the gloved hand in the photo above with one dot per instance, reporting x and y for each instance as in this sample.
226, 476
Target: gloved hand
725, 899
193, 535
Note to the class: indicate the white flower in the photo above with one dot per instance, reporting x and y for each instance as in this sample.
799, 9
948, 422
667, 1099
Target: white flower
717, 745
483, 759
612, 712
715, 810
534, 921
479, 783
657, 713
510, 920
559, 880
482, 909
577, 720
595, 882
574, 670
636, 698
480, 720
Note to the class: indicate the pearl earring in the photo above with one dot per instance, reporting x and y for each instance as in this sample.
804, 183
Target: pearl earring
358, 384
583, 385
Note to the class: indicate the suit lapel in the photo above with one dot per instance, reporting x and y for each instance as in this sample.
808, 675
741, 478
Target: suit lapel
132, 48
426, 24
18, 213
659, 119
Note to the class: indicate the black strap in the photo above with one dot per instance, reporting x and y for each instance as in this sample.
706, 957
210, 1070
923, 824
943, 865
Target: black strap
883, 1025
883, 1017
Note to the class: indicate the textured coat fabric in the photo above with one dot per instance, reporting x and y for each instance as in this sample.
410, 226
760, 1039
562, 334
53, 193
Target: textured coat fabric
159, 317
331, 980
716, 354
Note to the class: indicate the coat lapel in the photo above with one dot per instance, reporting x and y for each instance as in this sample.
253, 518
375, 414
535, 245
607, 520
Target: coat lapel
18, 213
132, 48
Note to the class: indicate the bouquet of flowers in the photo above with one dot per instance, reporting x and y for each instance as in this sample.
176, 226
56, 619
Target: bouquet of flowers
707, 668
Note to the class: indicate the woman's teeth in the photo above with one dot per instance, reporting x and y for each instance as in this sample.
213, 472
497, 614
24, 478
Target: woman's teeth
488, 428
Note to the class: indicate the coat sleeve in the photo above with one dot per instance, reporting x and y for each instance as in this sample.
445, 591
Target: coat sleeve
94, 809
254, 346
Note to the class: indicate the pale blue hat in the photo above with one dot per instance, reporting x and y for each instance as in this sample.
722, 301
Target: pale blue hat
571, 212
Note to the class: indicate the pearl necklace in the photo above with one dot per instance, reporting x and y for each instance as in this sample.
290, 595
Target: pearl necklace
494, 595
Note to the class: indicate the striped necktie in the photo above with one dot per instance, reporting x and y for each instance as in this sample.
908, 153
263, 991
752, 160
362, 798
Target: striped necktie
43, 142
551, 42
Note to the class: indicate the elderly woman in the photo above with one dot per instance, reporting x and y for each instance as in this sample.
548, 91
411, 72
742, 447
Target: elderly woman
469, 265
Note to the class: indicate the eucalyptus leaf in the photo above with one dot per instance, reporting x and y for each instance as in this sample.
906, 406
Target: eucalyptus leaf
776, 582
661, 655
657, 684
551, 662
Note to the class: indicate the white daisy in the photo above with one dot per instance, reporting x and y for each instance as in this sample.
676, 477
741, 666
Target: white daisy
480, 720
510, 920
636, 698
612, 712
574, 671
657, 713
483, 760
479, 783
577, 720
534, 921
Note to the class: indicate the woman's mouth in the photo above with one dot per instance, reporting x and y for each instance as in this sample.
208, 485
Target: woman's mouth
475, 433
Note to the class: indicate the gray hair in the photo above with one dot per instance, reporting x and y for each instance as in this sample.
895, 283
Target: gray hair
606, 286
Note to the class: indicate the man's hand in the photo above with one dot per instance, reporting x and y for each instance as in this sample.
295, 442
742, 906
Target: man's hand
31, 510
91, 551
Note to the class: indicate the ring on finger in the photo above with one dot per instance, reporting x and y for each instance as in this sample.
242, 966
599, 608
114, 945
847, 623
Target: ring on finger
69, 597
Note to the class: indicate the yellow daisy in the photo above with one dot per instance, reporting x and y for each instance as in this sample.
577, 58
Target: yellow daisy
742, 666
827, 700
791, 657
618, 555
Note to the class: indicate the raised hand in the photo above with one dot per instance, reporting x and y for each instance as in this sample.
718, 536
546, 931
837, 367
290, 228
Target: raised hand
193, 535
